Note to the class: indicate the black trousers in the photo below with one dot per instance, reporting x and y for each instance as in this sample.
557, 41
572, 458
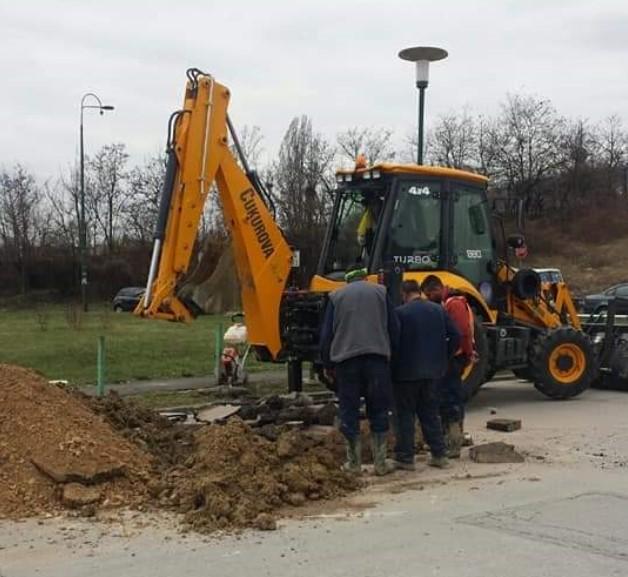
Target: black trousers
417, 399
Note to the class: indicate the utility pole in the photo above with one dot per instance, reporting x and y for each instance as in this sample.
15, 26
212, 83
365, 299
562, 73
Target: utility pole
82, 222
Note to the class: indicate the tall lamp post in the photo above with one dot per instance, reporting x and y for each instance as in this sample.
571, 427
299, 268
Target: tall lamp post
82, 222
422, 56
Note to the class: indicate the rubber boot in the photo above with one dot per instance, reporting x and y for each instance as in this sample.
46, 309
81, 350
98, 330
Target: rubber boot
439, 462
445, 427
379, 446
353, 464
454, 439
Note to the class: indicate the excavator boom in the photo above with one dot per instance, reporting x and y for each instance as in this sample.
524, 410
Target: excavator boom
199, 160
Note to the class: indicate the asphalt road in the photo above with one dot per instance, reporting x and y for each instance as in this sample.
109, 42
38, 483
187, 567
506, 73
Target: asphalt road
560, 513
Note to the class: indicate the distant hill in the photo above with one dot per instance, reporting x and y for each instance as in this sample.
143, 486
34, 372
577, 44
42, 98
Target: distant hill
590, 248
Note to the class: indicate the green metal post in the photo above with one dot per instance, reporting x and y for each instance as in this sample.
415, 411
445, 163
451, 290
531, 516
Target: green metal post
100, 383
219, 333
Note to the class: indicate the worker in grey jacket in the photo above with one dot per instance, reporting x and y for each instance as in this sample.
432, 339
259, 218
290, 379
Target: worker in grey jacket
359, 332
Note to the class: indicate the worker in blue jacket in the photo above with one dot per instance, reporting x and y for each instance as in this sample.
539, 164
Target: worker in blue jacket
359, 333
427, 341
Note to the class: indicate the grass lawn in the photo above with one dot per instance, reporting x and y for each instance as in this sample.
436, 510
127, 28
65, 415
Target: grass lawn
62, 346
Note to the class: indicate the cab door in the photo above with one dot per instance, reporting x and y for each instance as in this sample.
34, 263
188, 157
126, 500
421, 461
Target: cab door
472, 249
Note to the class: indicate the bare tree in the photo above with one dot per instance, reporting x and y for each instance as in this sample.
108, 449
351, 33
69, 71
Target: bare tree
375, 144
107, 194
251, 138
145, 183
612, 150
20, 226
302, 177
63, 201
453, 140
578, 145
303, 183
526, 147
486, 139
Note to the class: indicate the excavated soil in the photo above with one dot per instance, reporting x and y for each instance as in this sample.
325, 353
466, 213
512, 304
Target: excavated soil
238, 478
169, 443
62, 450
48, 439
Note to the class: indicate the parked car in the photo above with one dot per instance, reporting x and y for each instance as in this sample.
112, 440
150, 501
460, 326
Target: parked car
127, 298
598, 303
549, 275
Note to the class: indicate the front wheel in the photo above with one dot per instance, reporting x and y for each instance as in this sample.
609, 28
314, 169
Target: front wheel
563, 363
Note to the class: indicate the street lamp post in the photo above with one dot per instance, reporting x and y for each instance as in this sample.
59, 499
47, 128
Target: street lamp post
81, 216
422, 56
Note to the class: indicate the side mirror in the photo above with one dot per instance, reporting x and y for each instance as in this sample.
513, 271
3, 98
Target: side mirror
516, 241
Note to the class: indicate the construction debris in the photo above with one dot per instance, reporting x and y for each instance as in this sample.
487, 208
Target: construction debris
495, 453
505, 425
62, 450
217, 413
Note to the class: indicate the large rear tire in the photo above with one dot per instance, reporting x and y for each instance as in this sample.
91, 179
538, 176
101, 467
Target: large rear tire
474, 377
617, 378
563, 363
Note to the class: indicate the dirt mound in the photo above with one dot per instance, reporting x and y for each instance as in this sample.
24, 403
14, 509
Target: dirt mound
63, 450
238, 478
48, 439
169, 443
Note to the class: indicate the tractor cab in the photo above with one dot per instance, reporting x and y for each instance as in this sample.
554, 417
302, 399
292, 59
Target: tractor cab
417, 218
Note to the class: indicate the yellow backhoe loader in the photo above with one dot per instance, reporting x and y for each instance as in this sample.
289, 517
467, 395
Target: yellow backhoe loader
400, 220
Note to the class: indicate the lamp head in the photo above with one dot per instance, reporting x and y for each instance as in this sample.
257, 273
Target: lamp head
422, 56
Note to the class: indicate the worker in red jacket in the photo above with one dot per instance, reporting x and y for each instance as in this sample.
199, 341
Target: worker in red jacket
452, 398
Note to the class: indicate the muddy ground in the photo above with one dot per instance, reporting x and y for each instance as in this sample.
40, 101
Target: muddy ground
560, 512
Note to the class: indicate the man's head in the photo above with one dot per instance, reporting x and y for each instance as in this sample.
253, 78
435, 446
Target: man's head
433, 288
356, 272
410, 290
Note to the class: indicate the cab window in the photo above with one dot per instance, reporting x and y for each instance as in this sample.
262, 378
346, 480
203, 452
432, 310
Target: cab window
472, 249
414, 238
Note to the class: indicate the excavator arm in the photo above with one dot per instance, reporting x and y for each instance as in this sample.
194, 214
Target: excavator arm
199, 160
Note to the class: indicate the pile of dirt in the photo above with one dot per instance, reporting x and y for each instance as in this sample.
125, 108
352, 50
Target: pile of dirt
60, 449
55, 452
169, 443
237, 478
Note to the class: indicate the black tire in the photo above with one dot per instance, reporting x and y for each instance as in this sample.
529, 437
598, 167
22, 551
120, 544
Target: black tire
523, 373
617, 379
547, 372
477, 377
490, 373
118, 309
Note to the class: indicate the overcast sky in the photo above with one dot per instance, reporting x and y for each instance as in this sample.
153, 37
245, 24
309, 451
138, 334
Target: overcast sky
335, 60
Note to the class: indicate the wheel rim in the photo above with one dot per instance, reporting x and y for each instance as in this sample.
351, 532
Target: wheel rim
567, 363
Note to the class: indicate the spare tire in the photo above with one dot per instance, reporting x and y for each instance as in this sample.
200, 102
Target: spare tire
526, 284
